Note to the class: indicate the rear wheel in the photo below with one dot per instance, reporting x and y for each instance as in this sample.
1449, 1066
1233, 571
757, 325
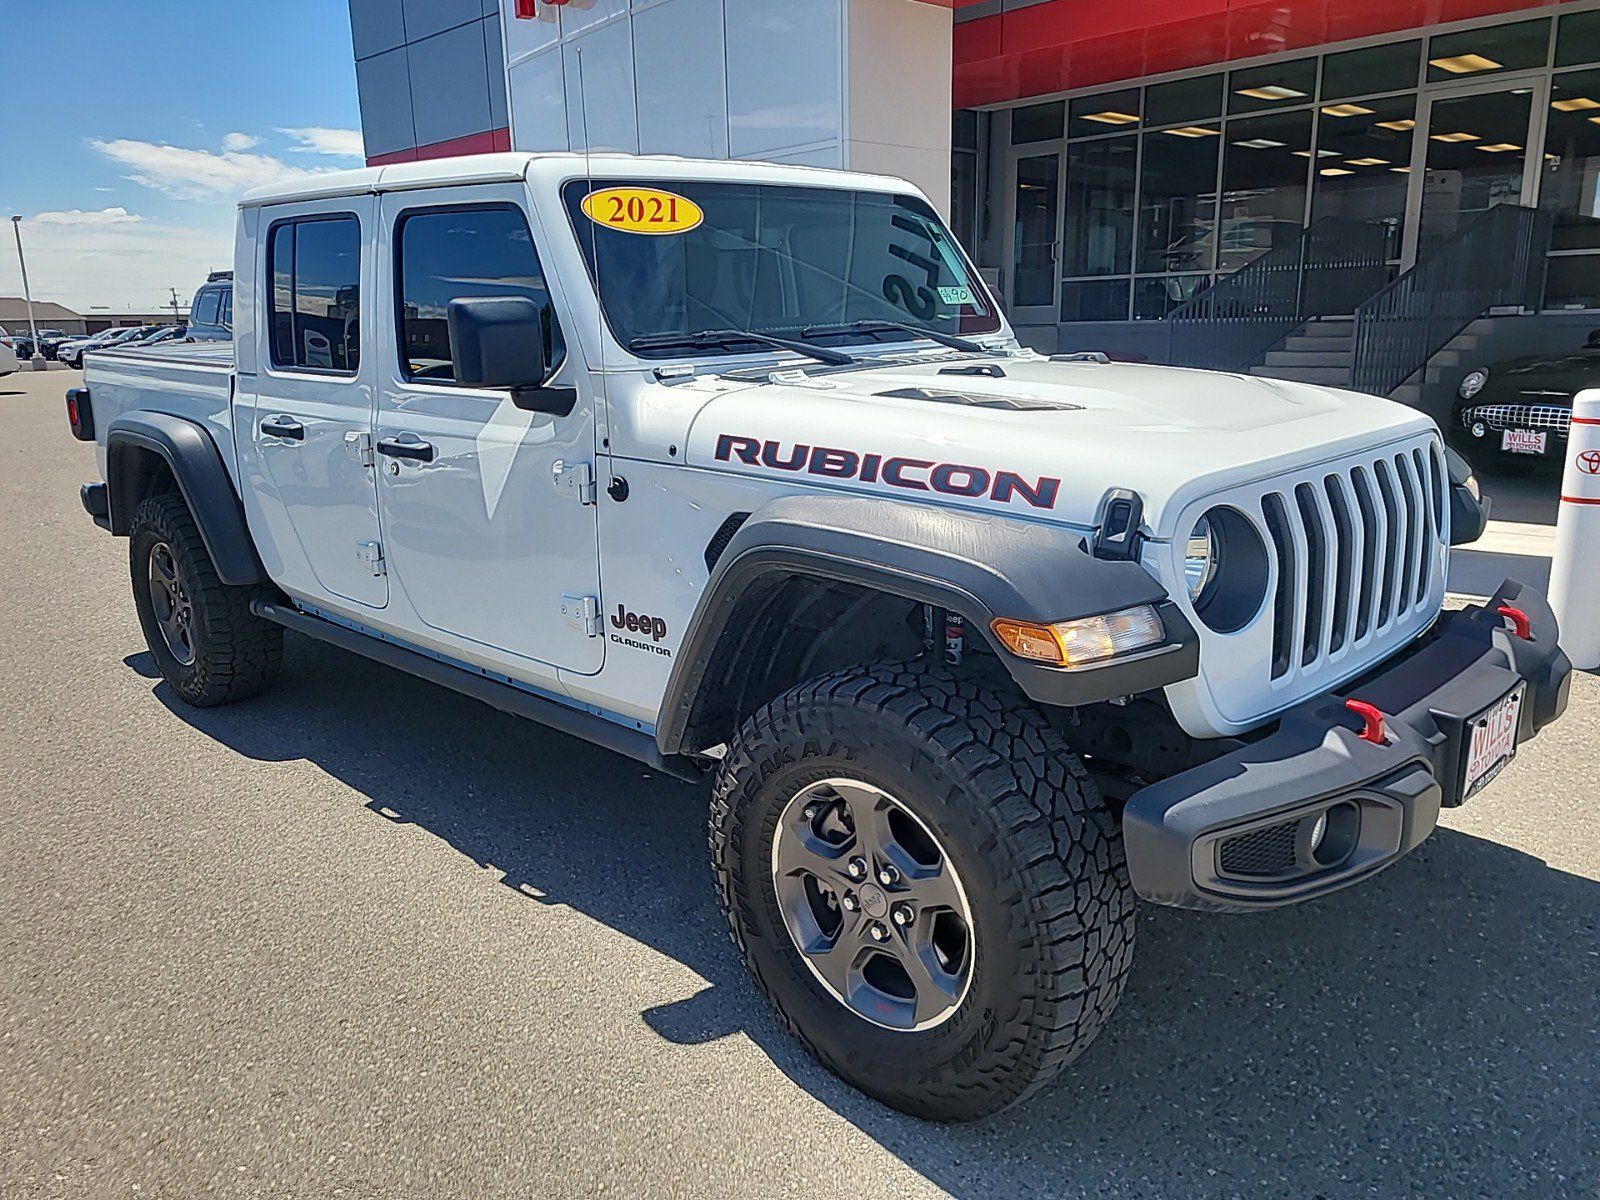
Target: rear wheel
206, 642
925, 883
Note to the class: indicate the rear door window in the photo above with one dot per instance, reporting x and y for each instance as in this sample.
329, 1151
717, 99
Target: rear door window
314, 299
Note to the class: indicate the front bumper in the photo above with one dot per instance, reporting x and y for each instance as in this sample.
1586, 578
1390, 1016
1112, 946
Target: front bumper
1234, 834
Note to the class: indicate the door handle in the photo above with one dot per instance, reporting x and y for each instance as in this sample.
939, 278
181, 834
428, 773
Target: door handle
284, 427
415, 448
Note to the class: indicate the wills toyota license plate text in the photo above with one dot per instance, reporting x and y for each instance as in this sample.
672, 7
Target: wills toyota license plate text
1493, 743
1523, 441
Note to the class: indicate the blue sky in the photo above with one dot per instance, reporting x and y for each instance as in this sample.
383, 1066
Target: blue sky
139, 124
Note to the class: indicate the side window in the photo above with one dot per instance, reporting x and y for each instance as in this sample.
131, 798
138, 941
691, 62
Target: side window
225, 316
446, 254
205, 307
314, 307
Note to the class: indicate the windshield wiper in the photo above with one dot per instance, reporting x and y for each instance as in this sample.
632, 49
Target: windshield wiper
933, 335
735, 337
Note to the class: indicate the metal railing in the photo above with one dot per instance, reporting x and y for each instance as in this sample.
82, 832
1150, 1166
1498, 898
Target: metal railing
1330, 268
1497, 260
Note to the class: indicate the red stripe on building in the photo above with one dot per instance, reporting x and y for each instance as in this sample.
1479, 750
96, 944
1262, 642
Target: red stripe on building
1065, 44
487, 142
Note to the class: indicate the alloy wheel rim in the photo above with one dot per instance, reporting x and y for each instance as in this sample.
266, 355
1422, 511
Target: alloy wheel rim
873, 904
170, 603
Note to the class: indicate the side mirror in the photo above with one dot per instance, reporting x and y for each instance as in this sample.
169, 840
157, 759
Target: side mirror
498, 342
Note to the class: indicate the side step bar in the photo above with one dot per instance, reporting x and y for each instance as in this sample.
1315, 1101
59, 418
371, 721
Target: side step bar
630, 742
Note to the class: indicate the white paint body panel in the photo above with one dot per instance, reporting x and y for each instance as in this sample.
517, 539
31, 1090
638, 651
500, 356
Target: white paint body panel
482, 544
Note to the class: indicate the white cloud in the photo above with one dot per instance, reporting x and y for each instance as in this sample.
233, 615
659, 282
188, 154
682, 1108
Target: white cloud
317, 139
94, 217
197, 174
239, 141
117, 259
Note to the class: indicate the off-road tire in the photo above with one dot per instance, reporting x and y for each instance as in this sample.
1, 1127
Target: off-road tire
236, 653
1039, 853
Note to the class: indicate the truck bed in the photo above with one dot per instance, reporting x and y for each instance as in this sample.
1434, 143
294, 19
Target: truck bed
186, 379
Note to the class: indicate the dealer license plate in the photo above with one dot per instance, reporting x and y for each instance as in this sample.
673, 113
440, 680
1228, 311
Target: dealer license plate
1493, 742
1523, 441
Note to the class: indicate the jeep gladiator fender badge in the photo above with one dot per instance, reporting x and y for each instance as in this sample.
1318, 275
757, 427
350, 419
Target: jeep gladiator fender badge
642, 210
913, 474
644, 626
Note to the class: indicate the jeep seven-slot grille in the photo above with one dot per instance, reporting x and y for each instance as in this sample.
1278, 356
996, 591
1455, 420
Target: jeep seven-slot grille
1357, 551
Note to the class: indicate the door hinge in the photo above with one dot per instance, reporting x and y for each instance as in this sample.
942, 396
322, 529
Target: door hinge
582, 612
360, 445
576, 480
371, 553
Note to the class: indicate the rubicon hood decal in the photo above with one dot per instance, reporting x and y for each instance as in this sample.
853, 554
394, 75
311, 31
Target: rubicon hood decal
912, 474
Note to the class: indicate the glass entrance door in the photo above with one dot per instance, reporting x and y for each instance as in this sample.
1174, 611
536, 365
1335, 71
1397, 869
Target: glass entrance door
1477, 154
1034, 234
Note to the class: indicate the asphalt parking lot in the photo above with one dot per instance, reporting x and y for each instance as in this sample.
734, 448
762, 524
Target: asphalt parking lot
363, 937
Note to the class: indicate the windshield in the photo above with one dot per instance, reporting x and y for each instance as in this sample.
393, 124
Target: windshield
769, 259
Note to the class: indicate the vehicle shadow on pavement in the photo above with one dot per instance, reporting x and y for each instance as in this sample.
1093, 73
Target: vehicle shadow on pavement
1435, 1032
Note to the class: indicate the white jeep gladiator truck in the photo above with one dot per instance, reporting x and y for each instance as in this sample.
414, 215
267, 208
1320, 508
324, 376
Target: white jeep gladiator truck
738, 469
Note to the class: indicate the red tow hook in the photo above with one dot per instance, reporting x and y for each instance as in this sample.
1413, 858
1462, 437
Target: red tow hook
1520, 625
1372, 716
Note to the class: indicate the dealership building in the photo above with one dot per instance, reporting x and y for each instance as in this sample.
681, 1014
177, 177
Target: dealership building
1334, 190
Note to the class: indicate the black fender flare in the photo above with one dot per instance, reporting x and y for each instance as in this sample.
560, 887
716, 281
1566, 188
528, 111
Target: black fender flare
977, 565
203, 481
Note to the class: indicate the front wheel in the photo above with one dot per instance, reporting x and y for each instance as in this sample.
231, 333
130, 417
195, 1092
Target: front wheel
207, 643
925, 883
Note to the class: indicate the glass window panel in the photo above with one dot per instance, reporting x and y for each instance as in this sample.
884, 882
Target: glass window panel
327, 294
448, 254
964, 197
1037, 122
1103, 113
1100, 206
1572, 281
1375, 69
1276, 85
1364, 163
1476, 155
206, 308
1571, 184
1034, 271
964, 129
1094, 300
1263, 186
1155, 296
1578, 38
1183, 100
1178, 198
280, 300
1481, 52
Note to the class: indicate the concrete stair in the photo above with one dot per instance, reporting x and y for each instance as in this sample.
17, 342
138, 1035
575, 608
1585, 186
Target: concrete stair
1321, 351
1318, 353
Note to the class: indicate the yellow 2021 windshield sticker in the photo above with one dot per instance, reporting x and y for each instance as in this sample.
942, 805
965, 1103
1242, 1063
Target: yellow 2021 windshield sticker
642, 210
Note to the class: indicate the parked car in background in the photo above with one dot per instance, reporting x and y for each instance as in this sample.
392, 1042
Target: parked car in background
9, 361
49, 339
156, 334
1518, 412
72, 352
211, 314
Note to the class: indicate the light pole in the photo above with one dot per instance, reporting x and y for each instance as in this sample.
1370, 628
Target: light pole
38, 362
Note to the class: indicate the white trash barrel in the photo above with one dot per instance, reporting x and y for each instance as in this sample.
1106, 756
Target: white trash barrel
1575, 569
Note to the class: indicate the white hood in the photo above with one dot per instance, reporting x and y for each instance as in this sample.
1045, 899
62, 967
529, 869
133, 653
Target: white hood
1062, 432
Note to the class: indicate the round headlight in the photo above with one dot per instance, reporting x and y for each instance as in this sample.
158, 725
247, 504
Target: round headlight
1200, 559
1226, 569
1473, 383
